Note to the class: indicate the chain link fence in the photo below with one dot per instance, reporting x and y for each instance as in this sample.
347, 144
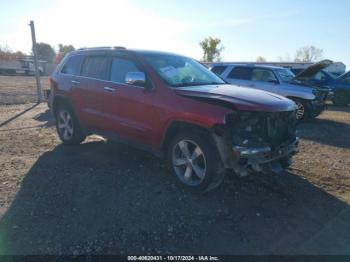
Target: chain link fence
20, 89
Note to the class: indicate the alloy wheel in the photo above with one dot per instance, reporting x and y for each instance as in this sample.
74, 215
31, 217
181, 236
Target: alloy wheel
300, 110
65, 124
189, 162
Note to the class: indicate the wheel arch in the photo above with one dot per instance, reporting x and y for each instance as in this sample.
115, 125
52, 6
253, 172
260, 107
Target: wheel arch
297, 98
59, 100
177, 126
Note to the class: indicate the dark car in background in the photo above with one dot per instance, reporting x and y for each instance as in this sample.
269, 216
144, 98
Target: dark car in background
340, 86
341, 89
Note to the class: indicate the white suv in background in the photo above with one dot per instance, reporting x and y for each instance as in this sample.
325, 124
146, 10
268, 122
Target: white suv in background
310, 100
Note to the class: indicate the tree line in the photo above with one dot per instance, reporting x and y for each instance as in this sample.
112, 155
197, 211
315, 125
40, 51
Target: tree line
45, 52
211, 46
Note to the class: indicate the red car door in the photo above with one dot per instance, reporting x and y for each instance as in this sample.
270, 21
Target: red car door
128, 108
88, 90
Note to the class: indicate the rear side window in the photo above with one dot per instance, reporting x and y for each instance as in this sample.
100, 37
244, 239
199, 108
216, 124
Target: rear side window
218, 69
120, 67
72, 66
264, 75
239, 72
96, 67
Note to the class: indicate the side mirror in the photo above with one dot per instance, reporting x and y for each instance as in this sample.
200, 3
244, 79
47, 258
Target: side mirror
135, 78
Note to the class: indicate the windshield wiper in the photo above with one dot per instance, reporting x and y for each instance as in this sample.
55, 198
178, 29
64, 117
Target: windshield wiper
215, 83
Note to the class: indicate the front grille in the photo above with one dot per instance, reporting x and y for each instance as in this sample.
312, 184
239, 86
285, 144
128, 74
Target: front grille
264, 129
280, 127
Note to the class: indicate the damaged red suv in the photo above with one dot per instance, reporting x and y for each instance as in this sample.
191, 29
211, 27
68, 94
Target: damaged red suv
175, 107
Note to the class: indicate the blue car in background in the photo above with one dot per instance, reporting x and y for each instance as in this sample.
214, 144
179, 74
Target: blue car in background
340, 86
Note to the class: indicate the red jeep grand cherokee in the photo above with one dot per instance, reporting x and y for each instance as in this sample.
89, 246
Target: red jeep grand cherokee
175, 107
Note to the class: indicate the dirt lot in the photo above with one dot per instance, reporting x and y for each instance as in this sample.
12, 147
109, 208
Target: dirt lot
20, 89
108, 198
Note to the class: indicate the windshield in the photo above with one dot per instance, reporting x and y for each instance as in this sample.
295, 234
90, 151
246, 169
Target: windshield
286, 75
180, 71
330, 74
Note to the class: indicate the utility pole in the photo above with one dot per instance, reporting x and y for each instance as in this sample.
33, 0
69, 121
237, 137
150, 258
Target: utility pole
37, 73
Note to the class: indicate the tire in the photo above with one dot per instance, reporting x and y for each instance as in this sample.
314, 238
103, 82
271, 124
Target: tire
67, 126
303, 111
194, 160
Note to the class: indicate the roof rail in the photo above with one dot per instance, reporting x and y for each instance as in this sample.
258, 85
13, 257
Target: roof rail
102, 47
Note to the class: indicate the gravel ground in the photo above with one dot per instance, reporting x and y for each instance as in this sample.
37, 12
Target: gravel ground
105, 198
20, 89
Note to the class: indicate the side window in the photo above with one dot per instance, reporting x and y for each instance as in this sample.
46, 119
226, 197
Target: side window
72, 66
95, 67
242, 73
218, 69
120, 67
264, 75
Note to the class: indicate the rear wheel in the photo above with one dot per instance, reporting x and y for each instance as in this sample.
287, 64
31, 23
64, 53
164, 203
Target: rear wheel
67, 126
194, 160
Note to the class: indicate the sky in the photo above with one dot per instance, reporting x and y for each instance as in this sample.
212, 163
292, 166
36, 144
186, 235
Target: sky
247, 29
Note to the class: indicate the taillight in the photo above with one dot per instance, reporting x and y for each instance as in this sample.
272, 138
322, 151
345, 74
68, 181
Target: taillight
50, 80
52, 83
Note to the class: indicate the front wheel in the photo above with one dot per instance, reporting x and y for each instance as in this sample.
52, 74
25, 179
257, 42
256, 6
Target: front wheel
67, 126
194, 160
303, 109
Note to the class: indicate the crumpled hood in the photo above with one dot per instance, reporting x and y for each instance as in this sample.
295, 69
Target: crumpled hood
241, 98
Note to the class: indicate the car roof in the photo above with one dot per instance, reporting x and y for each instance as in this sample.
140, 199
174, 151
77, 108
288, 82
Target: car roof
120, 49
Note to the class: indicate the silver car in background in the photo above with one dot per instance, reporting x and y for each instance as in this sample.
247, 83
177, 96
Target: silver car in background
310, 100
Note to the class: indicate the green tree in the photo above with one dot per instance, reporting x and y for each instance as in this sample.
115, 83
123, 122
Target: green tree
308, 54
211, 49
260, 59
45, 52
64, 49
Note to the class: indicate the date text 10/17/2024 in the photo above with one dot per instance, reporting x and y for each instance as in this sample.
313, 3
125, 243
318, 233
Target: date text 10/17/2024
173, 258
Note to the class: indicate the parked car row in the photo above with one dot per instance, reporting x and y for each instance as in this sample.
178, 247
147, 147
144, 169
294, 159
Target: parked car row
175, 107
310, 99
309, 89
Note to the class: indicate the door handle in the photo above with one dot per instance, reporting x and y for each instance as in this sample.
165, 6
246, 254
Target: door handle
109, 89
75, 82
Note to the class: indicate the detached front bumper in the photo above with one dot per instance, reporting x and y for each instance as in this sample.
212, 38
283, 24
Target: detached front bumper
317, 107
245, 160
262, 155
